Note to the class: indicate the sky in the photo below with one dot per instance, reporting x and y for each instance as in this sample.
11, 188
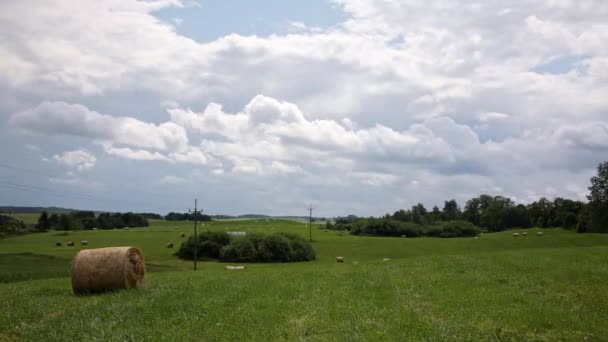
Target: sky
354, 106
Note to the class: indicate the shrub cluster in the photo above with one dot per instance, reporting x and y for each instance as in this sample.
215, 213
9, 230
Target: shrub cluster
278, 247
390, 227
10, 226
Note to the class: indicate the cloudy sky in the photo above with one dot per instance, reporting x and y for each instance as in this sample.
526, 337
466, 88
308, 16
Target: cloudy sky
356, 106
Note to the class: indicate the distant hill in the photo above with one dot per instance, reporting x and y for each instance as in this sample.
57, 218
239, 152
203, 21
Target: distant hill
23, 210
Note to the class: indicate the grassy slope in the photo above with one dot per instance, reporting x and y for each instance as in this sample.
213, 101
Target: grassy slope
27, 218
493, 288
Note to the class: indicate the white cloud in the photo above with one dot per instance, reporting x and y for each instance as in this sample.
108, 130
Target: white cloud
440, 97
80, 160
60, 118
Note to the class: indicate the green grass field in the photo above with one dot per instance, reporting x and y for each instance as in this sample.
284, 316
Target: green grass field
495, 288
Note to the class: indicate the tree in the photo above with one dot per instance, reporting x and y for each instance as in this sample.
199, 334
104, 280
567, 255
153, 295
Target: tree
434, 215
451, 211
65, 222
44, 223
418, 213
598, 200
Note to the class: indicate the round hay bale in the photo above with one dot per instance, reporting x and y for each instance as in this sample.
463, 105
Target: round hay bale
58, 244
524, 233
515, 234
106, 269
539, 233
84, 242
70, 243
170, 245
339, 259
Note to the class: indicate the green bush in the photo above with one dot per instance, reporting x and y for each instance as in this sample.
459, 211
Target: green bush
452, 229
279, 247
391, 227
209, 245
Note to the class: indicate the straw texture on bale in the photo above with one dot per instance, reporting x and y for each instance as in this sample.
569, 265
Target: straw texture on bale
106, 269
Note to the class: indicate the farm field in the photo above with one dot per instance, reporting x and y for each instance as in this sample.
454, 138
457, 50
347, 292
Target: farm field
496, 287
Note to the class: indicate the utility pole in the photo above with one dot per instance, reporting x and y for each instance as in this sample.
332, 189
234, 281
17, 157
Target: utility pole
195, 233
310, 208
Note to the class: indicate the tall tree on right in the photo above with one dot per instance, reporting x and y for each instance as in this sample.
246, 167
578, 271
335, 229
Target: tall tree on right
598, 200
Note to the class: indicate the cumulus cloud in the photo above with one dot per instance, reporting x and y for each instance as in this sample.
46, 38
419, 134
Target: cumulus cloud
401, 94
60, 118
80, 160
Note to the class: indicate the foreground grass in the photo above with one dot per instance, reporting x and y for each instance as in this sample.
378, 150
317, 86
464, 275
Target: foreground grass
493, 288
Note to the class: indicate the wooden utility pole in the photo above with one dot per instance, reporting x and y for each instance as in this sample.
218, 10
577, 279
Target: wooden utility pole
195, 233
310, 208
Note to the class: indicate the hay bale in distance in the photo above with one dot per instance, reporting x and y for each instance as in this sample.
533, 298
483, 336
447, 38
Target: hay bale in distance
235, 268
539, 233
70, 243
524, 233
339, 259
84, 242
58, 244
386, 259
106, 269
170, 245
515, 234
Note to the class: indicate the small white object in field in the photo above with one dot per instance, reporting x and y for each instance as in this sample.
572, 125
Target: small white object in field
339, 259
515, 234
477, 237
237, 233
235, 268
126, 228
94, 228
386, 259
170, 245
71, 243
84, 242
539, 233
524, 233
355, 262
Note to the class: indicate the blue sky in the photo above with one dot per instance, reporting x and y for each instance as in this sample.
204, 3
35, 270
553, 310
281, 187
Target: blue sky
214, 19
357, 106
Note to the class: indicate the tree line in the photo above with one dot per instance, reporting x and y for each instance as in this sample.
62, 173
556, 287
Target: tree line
88, 220
491, 213
187, 217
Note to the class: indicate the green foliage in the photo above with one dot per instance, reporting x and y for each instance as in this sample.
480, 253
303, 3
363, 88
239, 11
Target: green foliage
43, 222
453, 229
87, 220
209, 245
10, 226
187, 217
278, 247
598, 200
390, 227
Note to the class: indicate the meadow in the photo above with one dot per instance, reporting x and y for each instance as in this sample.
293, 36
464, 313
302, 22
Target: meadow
495, 288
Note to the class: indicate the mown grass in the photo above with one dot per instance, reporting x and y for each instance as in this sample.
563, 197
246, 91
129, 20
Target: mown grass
497, 288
